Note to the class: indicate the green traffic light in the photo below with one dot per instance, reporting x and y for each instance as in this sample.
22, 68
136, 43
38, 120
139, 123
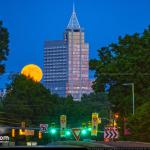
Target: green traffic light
68, 133
89, 129
83, 132
53, 131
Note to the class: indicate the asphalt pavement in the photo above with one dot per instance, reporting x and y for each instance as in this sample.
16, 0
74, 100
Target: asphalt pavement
125, 144
83, 144
90, 144
61, 145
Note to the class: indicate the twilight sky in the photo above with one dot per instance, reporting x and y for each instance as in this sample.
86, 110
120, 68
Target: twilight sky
31, 22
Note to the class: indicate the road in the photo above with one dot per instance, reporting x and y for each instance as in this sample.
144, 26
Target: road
105, 144
126, 144
63, 145
81, 144
90, 144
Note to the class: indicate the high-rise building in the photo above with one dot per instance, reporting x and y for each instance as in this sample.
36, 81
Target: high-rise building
66, 62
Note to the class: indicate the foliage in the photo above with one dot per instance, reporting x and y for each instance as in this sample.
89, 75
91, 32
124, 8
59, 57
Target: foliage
96, 102
125, 62
80, 111
4, 50
139, 123
31, 102
27, 101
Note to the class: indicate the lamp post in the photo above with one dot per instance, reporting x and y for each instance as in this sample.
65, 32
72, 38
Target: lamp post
111, 115
132, 84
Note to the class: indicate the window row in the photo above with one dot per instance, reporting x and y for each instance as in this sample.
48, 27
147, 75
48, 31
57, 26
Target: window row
55, 62
56, 56
56, 53
55, 47
49, 80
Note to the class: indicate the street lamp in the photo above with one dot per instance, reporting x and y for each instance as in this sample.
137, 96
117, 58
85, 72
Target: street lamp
132, 84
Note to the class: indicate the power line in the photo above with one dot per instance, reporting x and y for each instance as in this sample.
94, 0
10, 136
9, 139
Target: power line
7, 119
145, 74
9, 122
6, 113
26, 106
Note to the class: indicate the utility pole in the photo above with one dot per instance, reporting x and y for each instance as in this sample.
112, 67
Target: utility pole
133, 97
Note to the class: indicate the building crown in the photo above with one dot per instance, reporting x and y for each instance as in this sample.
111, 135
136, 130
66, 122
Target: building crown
73, 22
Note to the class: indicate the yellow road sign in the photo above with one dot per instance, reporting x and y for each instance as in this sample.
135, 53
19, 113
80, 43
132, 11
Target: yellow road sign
95, 121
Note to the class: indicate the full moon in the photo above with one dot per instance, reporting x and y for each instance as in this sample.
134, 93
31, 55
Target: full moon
32, 71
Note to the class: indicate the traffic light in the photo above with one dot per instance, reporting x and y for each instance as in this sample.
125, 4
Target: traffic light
21, 131
89, 126
53, 125
40, 135
13, 132
116, 115
83, 132
99, 120
114, 123
53, 129
83, 125
89, 129
68, 133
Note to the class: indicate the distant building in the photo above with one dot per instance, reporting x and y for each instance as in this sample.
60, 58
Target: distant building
66, 62
2, 93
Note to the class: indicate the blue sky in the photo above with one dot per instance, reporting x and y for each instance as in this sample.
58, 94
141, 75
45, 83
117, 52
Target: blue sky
31, 22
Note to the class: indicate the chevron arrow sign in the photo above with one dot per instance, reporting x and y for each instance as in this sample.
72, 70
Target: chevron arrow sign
111, 132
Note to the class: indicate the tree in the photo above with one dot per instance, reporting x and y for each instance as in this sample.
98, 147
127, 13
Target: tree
78, 112
139, 123
31, 102
96, 102
4, 50
27, 101
125, 62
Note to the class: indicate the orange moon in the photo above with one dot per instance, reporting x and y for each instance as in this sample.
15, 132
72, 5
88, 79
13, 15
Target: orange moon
32, 71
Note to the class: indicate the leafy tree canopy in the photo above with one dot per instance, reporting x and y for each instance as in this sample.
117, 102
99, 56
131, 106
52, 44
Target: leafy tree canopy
124, 62
28, 101
139, 123
4, 50
31, 102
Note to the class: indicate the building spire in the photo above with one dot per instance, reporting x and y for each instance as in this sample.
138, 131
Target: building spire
73, 8
73, 22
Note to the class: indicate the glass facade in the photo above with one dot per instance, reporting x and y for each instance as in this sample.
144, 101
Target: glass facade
66, 63
78, 66
55, 66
